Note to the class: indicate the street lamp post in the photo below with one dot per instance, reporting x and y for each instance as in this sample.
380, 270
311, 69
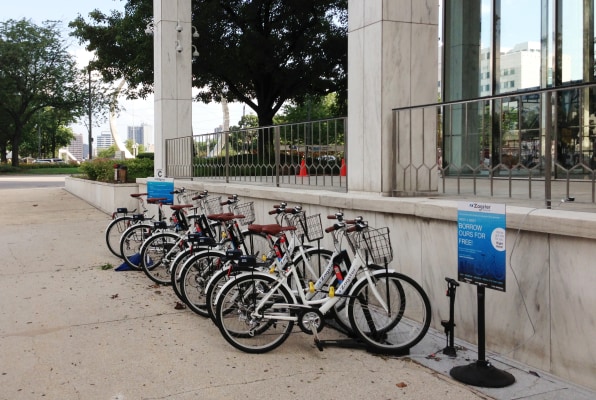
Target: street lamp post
90, 126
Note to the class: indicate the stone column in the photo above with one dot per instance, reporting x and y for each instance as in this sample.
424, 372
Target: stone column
392, 62
173, 83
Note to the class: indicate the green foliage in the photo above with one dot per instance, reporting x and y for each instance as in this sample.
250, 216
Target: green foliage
41, 89
99, 169
107, 153
311, 108
149, 156
102, 169
139, 168
41, 169
259, 52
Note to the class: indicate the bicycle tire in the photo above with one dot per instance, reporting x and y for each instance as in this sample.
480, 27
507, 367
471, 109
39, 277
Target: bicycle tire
114, 231
157, 253
255, 244
130, 244
217, 281
176, 271
196, 272
248, 333
398, 330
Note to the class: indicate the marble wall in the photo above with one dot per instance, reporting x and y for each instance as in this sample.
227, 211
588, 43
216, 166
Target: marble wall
546, 317
390, 66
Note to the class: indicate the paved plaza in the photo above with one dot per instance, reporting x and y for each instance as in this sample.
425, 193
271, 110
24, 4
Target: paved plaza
71, 327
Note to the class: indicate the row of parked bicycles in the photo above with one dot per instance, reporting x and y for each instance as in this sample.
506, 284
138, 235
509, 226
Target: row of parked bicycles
256, 282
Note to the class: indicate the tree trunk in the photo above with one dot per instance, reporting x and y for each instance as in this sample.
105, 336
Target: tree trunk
3, 153
266, 135
16, 141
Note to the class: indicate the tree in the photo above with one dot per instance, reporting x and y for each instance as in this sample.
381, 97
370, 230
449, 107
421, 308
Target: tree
37, 76
260, 52
311, 108
130, 144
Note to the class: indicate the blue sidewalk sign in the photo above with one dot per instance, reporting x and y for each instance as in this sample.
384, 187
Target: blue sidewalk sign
481, 244
160, 188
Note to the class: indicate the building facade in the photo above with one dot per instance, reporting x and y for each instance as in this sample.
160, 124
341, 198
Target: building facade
140, 134
505, 62
76, 147
104, 141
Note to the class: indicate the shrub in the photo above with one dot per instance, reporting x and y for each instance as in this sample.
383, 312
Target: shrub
102, 169
149, 156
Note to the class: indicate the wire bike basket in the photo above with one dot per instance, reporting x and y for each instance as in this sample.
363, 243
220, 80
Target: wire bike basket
213, 205
310, 227
246, 209
376, 244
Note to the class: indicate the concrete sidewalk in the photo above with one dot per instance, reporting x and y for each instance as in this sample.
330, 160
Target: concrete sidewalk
73, 328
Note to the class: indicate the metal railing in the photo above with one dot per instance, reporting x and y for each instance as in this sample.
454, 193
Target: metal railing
498, 146
304, 154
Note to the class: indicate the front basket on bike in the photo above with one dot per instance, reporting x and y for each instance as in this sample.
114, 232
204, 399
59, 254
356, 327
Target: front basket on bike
246, 209
376, 244
310, 226
213, 205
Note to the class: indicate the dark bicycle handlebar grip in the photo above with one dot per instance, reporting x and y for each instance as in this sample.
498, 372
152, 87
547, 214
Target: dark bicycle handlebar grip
271, 212
451, 281
332, 217
330, 229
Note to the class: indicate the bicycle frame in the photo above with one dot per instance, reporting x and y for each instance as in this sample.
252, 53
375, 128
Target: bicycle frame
358, 265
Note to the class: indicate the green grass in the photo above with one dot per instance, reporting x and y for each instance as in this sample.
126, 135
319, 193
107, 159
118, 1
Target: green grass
66, 170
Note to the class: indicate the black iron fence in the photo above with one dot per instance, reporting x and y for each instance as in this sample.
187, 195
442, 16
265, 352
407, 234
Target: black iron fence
310, 153
517, 145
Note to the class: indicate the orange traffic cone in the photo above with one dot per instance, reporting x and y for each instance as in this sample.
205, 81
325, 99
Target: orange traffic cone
303, 171
343, 169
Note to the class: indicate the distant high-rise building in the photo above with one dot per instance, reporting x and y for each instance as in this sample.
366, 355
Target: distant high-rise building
104, 141
76, 147
142, 134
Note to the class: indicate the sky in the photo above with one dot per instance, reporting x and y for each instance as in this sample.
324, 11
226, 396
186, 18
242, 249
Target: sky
205, 118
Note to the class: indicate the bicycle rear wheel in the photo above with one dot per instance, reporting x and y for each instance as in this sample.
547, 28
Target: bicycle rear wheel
114, 231
391, 315
130, 244
249, 331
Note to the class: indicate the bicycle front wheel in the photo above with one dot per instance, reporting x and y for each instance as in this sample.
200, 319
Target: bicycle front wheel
196, 272
255, 244
252, 315
114, 231
176, 271
130, 244
157, 254
391, 313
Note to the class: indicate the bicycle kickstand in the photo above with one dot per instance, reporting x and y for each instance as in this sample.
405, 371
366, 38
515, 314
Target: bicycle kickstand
449, 325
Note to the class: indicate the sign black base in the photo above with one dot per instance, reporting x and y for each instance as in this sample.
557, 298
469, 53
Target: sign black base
482, 374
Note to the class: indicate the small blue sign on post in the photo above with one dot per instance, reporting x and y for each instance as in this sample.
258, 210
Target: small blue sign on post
481, 244
161, 188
